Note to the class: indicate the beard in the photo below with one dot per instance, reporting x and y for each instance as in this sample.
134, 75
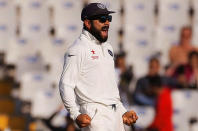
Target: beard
98, 33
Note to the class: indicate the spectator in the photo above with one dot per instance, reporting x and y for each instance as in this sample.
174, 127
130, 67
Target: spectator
2, 65
179, 74
147, 95
178, 54
187, 75
147, 86
10, 71
125, 76
193, 69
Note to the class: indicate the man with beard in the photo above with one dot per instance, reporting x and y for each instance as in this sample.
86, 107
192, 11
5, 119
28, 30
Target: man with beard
88, 85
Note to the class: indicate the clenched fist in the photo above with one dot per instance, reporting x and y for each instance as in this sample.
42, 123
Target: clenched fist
83, 120
129, 118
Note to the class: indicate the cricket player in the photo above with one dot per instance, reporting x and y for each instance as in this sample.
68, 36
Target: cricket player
88, 85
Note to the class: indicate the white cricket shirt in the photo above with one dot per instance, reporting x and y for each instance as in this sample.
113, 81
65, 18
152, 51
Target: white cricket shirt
88, 75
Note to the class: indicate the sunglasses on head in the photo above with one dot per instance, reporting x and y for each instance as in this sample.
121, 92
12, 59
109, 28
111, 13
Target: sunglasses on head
102, 19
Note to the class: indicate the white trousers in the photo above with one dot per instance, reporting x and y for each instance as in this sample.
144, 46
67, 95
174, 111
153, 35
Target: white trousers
104, 118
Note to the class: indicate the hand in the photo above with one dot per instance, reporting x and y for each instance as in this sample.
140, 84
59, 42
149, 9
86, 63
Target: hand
83, 120
129, 118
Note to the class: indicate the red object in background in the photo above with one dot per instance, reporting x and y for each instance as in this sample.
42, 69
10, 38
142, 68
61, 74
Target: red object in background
164, 111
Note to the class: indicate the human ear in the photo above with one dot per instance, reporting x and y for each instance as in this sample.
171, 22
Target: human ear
87, 24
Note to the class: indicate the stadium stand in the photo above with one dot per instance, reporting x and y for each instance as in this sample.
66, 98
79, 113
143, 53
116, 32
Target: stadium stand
20, 47
33, 82
5, 88
29, 63
53, 47
138, 30
139, 12
56, 67
17, 123
8, 22
45, 102
34, 19
35, 34
173, 9
182, 113
173, 14
53, 51
6, 106
67, 18
195, 33
146, 115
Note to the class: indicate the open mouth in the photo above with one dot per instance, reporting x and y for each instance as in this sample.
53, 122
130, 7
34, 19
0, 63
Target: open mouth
105, 30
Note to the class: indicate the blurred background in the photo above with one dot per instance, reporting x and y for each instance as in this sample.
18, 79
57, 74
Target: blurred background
156, 59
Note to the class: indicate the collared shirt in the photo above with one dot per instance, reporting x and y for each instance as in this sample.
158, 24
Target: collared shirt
89, 71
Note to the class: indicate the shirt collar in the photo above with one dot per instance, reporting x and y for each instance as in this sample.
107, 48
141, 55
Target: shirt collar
91, 37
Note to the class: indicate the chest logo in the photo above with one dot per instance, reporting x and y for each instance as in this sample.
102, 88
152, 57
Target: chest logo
93, 52
101, 6
110, 53
93, 55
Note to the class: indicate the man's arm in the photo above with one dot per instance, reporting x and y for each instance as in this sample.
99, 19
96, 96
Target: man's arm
69, 100
69, 77
68, 97
68, 82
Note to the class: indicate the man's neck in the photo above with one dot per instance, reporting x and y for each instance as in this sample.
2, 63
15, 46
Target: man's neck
185, 43
91, 36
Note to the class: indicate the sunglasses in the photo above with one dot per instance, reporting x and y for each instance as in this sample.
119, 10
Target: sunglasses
102, 19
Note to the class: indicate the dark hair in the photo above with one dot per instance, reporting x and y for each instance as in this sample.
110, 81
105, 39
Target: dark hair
154, 59
191, 54
180, 70
84, 26
118, 56
186, 28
